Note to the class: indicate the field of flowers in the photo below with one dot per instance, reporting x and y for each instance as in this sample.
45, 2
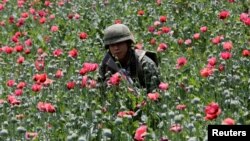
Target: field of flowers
50, 51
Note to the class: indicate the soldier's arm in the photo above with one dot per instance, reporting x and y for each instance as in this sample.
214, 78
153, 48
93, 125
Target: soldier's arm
151, 74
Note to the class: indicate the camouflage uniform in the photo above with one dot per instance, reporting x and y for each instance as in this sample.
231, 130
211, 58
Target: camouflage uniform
140, 67
142, 70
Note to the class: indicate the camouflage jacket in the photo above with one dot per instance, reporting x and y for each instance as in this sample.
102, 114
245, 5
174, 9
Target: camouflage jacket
140, 68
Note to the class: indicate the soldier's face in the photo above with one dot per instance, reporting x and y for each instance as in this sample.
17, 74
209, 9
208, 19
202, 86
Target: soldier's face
119, 50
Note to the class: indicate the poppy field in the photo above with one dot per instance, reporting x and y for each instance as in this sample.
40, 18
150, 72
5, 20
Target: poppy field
51, 50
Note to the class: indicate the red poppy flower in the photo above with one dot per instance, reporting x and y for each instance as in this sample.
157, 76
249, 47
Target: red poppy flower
70, 85
163, 19
83, 35
245, 53
73, 53
212, 111
223, 14
20, 59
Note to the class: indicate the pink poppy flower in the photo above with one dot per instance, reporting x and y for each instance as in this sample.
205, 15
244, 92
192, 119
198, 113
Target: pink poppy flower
176, 128
54, 28
205, 72
126, 113
18, 92
76, 16
46, 107
21, 85
157, 23
32, 11
153, 96
243, 17
114, 79
246, 53
20, 60
163, 86
31, 135
216, 40
88, 67
228, 45
165, 29
196, 36
228, 121
140, 133
1, 7
52, 17
188, 42
10, 83
57, 52
84, 81
12, 100
181, 107
59, 73
24, 15
162, 47
42, 20
203, 29
212, 61
18, 48
36, 87
226, 55
181, 61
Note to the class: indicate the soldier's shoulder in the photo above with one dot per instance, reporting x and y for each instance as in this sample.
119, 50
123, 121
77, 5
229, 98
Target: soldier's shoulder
147, 57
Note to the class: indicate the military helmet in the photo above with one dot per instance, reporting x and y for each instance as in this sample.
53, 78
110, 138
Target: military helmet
117, 33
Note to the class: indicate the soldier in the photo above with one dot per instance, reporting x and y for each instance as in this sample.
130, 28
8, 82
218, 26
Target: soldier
137, 64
